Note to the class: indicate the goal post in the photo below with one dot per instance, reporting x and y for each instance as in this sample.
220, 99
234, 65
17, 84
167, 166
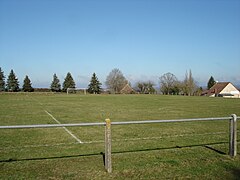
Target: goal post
75, 90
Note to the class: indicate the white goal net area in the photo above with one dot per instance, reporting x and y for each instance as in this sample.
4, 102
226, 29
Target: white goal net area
77, 91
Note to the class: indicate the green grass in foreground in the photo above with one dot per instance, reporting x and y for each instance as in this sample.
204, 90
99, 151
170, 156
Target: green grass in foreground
192, 150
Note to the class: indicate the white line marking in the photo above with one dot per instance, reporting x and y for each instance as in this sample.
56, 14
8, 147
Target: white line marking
69, 132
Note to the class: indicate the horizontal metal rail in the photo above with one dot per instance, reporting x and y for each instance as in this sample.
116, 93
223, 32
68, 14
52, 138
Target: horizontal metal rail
169, 121
52, 125
108, 160
113, 123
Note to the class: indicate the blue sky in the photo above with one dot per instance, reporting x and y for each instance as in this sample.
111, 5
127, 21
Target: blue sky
143, 38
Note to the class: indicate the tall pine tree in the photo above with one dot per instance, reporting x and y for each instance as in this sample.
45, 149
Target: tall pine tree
27, 85
68, 82
95, 86
12, 82
55, 86
211, 82
2, 80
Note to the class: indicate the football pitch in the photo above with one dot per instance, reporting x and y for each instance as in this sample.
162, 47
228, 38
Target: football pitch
192, 150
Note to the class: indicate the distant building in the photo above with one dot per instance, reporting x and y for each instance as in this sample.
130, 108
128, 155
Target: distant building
223, 89
127, 89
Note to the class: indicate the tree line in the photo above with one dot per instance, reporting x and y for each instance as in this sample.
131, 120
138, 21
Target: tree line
115, 81
171, 85
12, 83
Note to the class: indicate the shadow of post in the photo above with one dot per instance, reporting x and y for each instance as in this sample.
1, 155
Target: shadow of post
215, 150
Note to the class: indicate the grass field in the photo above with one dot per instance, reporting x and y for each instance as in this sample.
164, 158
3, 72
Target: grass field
188, 150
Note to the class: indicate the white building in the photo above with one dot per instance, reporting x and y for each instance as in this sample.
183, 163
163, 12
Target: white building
224, 89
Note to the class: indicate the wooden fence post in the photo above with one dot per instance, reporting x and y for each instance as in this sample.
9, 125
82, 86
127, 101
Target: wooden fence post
108, 146
233, 136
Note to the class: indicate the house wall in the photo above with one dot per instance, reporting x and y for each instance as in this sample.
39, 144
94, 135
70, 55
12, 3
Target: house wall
230, 89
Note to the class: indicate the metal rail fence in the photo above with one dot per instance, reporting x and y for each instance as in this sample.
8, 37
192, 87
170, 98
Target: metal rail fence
108, 160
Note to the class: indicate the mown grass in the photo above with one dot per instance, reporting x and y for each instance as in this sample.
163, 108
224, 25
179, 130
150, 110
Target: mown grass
192, 150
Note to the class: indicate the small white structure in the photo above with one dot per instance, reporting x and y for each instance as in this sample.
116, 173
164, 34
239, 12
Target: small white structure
224, 89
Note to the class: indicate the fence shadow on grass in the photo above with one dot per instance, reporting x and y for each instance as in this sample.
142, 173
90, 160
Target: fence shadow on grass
213, 149
208, 146
53, 157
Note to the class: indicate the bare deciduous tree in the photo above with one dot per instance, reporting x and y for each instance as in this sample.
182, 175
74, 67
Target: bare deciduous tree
116, 81
189, 85
168, 82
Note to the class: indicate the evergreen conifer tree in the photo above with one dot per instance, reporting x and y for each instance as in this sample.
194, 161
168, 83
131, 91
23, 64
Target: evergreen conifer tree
55, 86
211, 82
95, 86
12, 82
2, 80
68, 82
27, 85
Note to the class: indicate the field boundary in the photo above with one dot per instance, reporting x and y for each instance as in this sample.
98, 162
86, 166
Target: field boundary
108, 140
